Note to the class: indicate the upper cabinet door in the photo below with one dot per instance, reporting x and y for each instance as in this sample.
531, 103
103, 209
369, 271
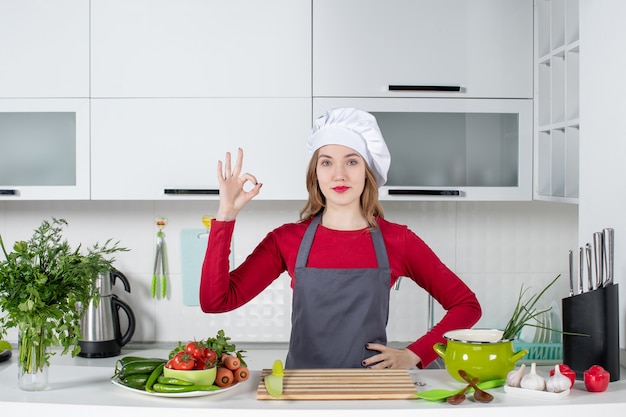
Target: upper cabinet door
44, 48
423, 48
193, 48
167, 149
44, 149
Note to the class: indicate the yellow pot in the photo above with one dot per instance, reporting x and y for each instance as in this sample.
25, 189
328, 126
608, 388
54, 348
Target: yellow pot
479, 352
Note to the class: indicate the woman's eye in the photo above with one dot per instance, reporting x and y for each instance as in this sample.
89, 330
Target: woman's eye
325, 163
352, 162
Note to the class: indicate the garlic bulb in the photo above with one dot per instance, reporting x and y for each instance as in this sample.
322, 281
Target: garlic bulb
514, 377
558, 382
533, 380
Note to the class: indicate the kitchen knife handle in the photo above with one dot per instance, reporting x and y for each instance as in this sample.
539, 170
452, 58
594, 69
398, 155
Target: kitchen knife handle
453, 88
191, 191
589, 269
581, 269
609, 253
571, 272
408, 191
599, 258
8, 192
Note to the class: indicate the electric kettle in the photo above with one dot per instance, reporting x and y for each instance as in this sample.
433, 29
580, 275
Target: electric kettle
100, 323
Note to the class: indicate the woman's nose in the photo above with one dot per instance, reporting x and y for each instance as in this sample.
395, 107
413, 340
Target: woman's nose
340, 172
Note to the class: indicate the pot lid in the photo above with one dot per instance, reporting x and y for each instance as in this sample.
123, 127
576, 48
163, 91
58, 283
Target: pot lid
475, 335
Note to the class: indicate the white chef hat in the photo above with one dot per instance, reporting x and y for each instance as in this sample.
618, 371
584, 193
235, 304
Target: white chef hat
355, 129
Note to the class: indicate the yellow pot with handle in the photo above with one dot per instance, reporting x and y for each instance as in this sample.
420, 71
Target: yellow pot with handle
482, 353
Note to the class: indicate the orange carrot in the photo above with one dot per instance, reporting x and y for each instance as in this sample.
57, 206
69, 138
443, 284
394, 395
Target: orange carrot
241, 374
231, 362
224, 377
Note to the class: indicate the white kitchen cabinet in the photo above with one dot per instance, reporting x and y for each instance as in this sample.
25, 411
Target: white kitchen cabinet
194, 48
167, 149
557, 101
44, 147
417, 48
44, 48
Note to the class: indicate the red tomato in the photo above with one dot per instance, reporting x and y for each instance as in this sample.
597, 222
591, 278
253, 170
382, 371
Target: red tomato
596, 379
206, 360
209, 355
568, 372
183, 362
193, 350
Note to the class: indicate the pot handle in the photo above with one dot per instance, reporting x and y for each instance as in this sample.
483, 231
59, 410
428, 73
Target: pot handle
518, 355
117, 304
440, 348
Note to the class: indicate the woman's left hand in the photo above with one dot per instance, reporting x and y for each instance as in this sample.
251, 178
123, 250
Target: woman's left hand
391, 358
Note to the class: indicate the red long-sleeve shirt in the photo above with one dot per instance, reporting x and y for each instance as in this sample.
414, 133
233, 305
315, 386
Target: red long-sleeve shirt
222, 290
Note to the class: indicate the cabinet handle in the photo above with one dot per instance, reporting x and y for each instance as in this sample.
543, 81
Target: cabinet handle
444, 193
8, 192
191, 191
456, 88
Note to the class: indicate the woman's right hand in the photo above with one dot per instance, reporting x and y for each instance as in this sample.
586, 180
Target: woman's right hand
233, 197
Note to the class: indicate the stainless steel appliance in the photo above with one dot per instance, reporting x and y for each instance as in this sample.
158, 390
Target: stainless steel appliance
100, 325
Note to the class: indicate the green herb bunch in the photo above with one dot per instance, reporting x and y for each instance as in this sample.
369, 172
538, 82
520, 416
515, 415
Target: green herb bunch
41, 284
524, 311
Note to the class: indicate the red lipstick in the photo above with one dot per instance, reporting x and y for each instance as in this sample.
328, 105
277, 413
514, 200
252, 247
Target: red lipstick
340, 188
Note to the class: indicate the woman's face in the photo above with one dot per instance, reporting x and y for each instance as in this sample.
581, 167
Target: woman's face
340, 174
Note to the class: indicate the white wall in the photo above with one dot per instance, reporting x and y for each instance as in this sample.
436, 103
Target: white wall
493, 246
602, 200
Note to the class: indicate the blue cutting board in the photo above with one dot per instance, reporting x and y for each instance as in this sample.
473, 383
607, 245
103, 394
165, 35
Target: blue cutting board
193, 247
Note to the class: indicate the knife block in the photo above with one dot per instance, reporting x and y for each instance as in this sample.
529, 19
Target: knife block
596, 314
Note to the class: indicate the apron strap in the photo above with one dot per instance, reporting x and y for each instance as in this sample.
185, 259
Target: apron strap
307, 241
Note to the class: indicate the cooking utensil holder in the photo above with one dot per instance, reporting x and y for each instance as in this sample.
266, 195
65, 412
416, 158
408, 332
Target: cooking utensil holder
596, 315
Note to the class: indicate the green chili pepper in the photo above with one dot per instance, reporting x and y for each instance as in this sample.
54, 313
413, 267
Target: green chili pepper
153, 377
139, 367
172, 381
176, 389
128, 359
135, 381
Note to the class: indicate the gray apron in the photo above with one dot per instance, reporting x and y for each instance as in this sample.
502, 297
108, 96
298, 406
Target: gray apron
336, 312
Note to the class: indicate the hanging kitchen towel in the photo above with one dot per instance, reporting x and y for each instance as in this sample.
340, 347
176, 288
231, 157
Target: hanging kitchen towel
193, 247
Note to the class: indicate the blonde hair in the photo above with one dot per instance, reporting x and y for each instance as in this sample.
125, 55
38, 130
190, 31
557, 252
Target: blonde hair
370, 205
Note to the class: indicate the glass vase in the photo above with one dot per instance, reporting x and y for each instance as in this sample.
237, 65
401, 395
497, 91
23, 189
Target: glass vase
32, 364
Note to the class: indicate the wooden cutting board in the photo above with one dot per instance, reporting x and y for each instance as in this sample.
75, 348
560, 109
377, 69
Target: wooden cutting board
342, 384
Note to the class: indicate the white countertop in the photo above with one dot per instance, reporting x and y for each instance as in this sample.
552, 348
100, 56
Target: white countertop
79, 385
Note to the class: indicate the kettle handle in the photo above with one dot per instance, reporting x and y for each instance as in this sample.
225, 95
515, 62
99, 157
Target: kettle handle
117, 274
125, 338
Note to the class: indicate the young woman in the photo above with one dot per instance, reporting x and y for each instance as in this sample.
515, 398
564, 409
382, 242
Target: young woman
342, 256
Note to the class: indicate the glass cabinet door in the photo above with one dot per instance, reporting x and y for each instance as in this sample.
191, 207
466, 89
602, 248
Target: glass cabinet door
465, 149
44, 149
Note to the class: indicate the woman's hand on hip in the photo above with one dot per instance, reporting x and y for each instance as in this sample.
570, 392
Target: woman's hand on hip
391, 358
233, 197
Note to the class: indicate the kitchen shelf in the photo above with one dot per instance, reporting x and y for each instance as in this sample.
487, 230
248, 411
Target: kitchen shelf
557, 95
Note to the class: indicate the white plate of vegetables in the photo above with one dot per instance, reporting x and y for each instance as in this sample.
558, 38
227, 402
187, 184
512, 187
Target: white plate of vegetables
218, 390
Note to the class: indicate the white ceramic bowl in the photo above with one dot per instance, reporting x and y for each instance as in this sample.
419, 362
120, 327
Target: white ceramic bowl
197, 376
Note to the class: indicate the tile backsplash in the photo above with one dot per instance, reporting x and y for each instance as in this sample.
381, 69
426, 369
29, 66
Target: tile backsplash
495, 247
